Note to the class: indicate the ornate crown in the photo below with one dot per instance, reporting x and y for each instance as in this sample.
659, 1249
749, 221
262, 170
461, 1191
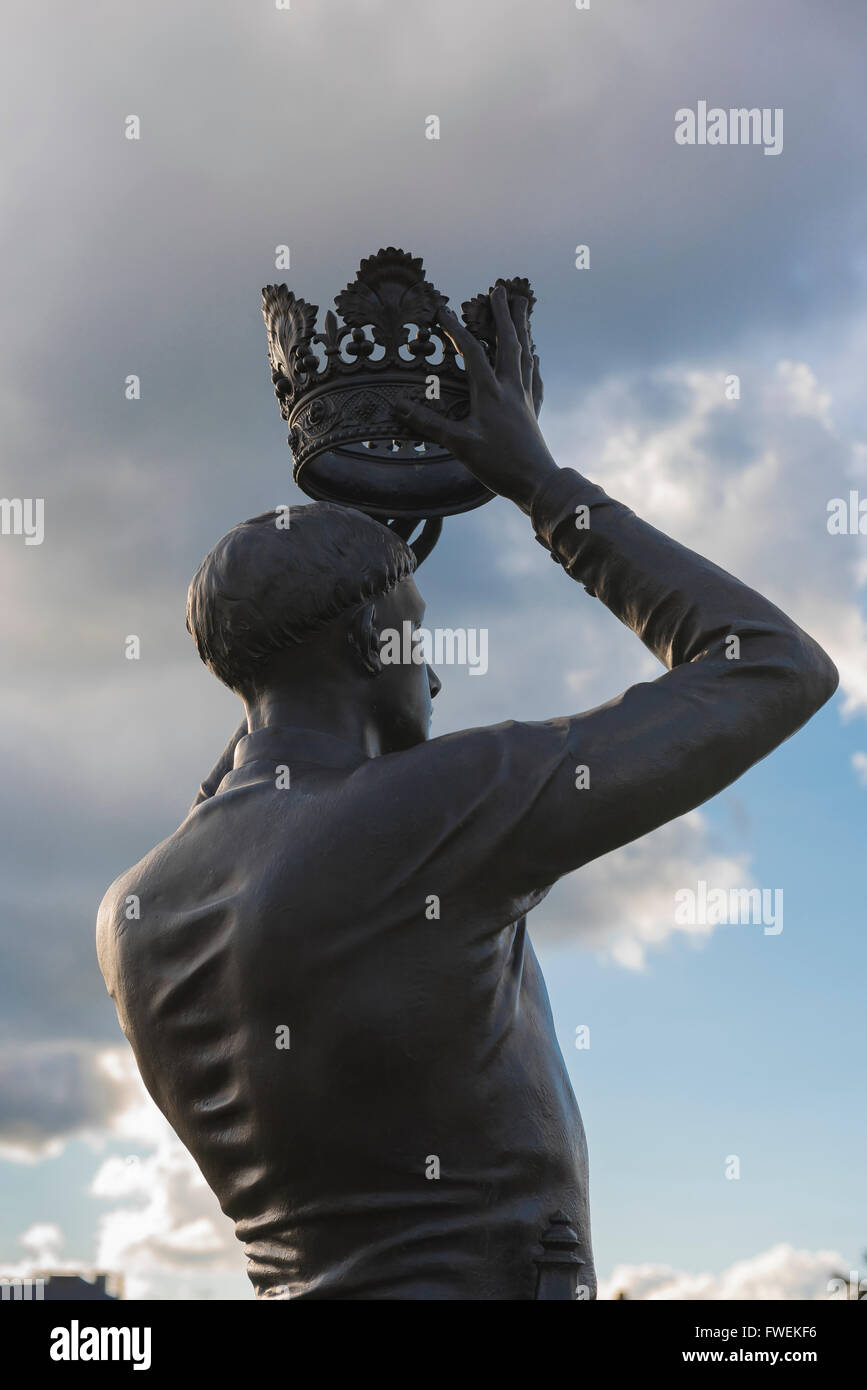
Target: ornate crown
337, 388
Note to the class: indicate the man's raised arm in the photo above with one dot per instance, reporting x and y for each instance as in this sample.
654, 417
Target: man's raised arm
742, 676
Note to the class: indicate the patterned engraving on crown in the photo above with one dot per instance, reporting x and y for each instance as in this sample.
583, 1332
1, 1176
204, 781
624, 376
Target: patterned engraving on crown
318, 415
366, 406
354, 416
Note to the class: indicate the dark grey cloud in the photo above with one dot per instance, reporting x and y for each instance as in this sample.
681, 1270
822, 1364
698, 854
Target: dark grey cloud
50, 1092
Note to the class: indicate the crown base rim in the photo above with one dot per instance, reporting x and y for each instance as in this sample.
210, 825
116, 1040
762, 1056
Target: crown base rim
388, 489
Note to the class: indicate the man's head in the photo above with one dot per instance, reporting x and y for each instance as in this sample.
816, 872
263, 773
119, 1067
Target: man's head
295, 610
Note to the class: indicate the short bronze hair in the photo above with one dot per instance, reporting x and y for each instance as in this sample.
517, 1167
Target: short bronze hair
267, 586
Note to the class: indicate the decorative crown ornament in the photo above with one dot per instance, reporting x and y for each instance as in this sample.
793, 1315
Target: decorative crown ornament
337, 388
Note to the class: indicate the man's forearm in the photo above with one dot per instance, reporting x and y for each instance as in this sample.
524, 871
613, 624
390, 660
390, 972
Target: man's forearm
683, 607
664, 746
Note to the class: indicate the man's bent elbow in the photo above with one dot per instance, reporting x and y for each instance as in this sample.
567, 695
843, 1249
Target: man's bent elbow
813, 676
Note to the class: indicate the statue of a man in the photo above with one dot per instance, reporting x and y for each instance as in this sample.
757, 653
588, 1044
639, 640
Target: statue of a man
329, 988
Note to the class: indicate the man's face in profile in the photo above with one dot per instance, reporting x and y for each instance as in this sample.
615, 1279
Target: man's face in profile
404, 690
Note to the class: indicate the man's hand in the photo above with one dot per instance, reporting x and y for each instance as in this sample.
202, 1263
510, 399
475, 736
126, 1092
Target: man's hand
500, 440
223, 765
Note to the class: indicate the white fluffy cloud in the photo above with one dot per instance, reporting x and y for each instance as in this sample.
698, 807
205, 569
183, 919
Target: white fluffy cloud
781, 1272
163, 1231
746, 482
165, 1227
43, 1244
624, 905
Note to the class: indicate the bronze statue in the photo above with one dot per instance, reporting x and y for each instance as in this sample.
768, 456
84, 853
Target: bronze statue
326, 975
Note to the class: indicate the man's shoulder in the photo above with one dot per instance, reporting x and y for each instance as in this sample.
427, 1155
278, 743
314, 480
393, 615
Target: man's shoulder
473, 747
152, 878
471, 760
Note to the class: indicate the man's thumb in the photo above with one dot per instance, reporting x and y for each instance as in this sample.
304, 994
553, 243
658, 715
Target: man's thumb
429, 423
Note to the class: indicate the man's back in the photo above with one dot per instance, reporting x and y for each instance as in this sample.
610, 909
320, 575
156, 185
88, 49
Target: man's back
348, 1029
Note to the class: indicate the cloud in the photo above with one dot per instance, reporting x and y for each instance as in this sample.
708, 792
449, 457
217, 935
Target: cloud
745, 482
623, 905
779, 1273
859, 763
43, 1242
165, 1225
163, 1229
53, 1092
167, 1217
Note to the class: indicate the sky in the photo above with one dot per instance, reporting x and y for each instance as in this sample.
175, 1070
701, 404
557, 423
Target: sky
263, 127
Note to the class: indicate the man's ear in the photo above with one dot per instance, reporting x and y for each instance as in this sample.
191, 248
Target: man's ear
364, 637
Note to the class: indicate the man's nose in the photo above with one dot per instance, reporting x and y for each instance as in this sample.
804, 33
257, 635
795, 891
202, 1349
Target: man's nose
434, 681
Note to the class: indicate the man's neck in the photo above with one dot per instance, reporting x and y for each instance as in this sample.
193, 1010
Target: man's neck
337, 718
278, 744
